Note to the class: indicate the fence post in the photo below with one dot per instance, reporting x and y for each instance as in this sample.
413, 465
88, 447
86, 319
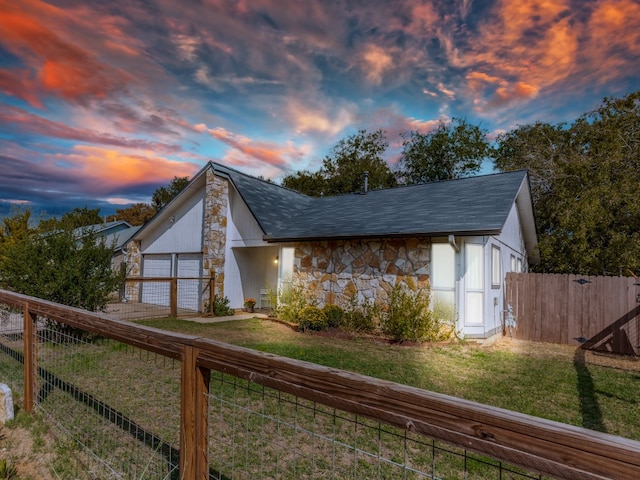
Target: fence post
211, 294
194, 417
30, 360
174, 298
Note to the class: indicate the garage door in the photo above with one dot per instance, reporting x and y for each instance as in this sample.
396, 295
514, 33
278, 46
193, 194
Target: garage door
156, 293
189, 291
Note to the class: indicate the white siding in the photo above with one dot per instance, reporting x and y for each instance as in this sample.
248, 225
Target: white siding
182, 229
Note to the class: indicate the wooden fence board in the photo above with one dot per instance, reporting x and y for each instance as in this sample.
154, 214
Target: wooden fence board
574, 309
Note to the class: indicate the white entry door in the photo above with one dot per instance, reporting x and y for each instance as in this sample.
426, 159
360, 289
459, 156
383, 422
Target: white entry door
156, 293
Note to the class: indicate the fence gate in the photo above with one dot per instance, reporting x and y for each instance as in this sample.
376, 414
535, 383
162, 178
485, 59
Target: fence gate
602, 313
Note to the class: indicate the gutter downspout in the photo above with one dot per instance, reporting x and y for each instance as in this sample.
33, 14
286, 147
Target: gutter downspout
452, 242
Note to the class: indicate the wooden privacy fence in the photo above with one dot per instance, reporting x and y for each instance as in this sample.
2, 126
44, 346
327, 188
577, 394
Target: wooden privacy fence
598, 312
543, 446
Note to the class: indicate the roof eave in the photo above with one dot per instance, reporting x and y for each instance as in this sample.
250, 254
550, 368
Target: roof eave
369, 236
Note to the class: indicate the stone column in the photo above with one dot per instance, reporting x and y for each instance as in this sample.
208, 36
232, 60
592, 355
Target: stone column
215, 228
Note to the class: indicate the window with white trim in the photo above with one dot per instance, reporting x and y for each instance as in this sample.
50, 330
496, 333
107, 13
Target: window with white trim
475, 284
496, 270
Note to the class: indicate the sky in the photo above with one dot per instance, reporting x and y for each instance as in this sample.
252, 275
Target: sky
103, 102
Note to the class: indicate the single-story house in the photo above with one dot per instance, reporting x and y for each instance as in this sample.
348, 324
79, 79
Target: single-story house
457, 237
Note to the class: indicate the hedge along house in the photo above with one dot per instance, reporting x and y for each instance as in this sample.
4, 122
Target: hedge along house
456, 237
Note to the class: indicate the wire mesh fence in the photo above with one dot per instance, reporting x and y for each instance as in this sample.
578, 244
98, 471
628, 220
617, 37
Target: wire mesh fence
161, 297
11, 348
260, 433
119, 404
115, 408
124, 412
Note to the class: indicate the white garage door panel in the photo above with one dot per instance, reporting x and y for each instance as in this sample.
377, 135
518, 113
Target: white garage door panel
156, 293
189, 291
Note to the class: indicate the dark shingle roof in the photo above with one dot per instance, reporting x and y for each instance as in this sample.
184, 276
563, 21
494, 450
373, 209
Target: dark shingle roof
475, 205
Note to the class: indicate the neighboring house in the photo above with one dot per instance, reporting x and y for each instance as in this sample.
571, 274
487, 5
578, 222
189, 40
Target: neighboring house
457, 237
116, 234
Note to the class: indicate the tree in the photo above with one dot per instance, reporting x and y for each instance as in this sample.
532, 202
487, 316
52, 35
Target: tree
450, 151
585, 178
344, 167
312, 184
164, 195
14, 229
61, 265
136, 214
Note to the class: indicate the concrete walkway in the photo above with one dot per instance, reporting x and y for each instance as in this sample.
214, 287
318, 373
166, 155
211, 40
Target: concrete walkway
238, 316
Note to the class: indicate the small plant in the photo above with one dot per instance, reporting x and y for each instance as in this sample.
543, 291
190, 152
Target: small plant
360, 317
220, 307
334, 314
408, 316
291, 300
312, 318
249, 302
7, 470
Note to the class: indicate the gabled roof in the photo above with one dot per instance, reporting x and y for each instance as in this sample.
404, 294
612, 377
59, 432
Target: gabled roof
117, 232
469, 206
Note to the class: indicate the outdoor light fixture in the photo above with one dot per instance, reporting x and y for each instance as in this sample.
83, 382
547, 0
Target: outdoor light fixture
275, 260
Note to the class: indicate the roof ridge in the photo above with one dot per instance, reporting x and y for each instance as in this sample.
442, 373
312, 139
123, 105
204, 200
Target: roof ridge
268, 182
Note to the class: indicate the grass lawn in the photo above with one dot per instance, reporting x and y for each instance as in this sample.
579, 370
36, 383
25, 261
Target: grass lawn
550, 381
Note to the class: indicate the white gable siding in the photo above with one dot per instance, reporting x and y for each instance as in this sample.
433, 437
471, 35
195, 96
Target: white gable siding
184, 234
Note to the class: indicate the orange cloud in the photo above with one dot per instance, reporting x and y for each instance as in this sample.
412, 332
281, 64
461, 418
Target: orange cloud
56, 66
494, 92
246, 151
523, 48
613, 38
377, 63
316, 115
104, 171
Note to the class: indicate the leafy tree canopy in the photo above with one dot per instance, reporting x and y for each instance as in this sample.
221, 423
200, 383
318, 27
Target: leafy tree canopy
585, 177
60, 264
164, 195
136, 214
344, 167
452, 150
309, 183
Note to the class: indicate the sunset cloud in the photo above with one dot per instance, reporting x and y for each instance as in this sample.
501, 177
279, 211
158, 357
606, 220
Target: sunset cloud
377, 62
17, 120
57, 67
106, 171
245, 150
129, 91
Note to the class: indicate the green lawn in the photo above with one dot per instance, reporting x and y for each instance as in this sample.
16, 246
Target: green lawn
549, 381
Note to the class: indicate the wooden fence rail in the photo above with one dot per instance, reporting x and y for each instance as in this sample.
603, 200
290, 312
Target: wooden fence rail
547, 447
600, 312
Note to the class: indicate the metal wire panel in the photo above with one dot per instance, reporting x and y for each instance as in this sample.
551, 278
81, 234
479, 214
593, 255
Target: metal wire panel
259, 433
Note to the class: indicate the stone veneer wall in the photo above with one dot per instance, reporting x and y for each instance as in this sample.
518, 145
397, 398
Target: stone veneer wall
335, 271
215, 229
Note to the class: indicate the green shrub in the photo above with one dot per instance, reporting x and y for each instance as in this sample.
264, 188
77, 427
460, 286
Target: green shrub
291, 300
360, 317
334, 314
312, 318
408, 317
220, 307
